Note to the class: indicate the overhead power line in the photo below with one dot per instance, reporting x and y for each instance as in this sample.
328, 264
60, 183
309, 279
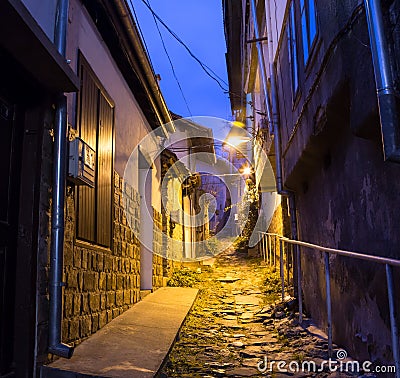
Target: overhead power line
224, 86
169, 60
209, 71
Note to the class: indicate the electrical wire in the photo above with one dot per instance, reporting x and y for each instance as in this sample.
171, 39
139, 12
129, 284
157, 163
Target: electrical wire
210, 72
170, 62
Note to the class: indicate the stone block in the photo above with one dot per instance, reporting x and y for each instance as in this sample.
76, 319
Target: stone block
89, 281
103, 301
127, 297
68, 305
110, 299
94, 302
102, 319
119, 298
109, 316
73, 329
77, 304
85, 303
95, 322
85, 326
72, 279
115, 312
108, 263
68, 254
84, 259
120, 282
102, 281
64, 329
100, 262
111, 281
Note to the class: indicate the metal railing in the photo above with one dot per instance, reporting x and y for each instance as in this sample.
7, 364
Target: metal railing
268, 247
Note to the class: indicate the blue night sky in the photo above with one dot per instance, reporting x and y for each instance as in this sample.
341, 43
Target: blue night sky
200, 25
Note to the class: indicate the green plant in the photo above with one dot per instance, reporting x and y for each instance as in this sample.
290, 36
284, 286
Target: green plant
247, 213
241, 242
183, 278
271, 283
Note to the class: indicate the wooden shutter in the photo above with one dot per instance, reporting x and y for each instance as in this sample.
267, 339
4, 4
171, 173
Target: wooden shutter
96, 120
88, 130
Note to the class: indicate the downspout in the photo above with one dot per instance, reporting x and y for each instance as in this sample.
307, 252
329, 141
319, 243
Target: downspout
58, 198
387, 97
273, 118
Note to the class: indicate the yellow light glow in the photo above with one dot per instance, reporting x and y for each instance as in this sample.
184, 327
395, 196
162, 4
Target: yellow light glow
237, 140
246, 170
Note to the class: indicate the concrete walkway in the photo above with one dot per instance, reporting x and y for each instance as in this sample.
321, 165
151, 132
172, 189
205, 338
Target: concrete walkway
134, 344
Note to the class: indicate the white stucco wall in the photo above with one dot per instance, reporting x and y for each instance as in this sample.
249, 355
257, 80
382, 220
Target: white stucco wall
130, 123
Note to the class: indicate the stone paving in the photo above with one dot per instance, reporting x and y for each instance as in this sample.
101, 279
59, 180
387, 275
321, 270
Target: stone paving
233, 327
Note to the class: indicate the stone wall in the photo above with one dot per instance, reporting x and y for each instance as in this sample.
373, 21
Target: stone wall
100, 283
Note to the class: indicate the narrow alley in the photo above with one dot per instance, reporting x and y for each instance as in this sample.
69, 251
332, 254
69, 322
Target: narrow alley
199, 188
238, 320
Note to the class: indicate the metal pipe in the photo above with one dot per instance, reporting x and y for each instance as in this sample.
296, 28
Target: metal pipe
265, 248
269, 250
328, 302
288, 249
393, 324
281, 268
58, 199
356, 255
385, 88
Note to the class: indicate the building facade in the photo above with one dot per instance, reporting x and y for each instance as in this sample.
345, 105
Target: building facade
112, 101
330, 134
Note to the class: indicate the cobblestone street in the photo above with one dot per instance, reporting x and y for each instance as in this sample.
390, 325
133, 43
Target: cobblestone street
235, 324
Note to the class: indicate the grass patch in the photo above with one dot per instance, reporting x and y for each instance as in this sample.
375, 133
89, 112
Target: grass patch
183, 278
271, 284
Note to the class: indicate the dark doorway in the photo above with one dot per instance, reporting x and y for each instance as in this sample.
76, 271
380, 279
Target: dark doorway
9, 193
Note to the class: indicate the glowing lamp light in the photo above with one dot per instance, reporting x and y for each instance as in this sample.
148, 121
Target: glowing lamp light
247, 171
235, 141
237, 134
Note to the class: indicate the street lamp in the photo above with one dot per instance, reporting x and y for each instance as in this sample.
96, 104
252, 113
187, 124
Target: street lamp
237, 135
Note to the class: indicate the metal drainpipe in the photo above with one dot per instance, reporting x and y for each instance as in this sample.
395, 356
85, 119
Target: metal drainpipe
387, 98
273, 117
58, 199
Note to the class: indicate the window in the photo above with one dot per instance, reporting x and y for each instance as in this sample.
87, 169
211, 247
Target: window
96, 124
308, 26
292, 48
